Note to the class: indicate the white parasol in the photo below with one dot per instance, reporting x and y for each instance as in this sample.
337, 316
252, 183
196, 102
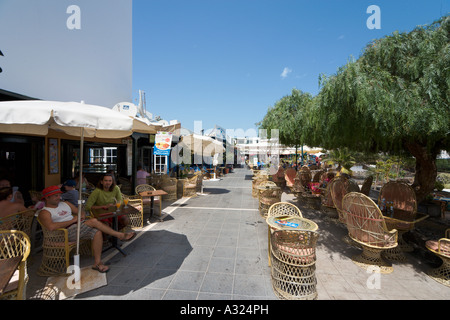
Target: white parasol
36, 117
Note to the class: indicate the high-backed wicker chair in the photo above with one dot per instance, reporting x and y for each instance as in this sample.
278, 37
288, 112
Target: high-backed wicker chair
281, 209
35, 196
169, 185
366, 186
318, 175
405, 216
126, 185
146, 201
366, 226
304, 176
293, 264
15, 243
339, 188
441, 248
57, 250
327, 200
199, 182
268, 194
190, 187
289, 175
278, 177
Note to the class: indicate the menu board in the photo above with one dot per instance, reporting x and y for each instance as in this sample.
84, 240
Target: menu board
163, 142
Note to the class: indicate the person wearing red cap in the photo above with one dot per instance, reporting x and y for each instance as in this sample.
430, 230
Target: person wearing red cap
57, 214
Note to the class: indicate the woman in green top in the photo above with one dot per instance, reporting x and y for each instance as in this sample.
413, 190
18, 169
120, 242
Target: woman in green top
105, 196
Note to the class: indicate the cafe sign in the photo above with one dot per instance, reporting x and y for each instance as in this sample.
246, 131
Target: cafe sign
163, 141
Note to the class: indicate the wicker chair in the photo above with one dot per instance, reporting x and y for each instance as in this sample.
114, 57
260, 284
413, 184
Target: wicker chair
199, 182
146, 201
367, 227
136, 220
21, 221
169, 185
281, 209
35, 196
268, 194
126, 185
256, 182
289, 175
14, 243
57, 250
293, 264
190, 187
304, 176
441, 248
278, 178
367, 185
339, 188
405, 217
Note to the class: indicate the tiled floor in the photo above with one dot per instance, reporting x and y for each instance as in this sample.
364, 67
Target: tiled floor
214, 246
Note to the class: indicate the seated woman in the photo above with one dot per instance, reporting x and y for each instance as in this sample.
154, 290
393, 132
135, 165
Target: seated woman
6, 206
105, 196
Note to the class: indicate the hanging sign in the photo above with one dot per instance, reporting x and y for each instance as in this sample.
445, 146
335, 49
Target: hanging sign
163, 141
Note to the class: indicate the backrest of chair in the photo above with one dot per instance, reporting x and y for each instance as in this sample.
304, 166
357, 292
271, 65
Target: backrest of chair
401, 194
304, 176
289, 176
18, 221
267, 183
365, 222
284, 209
339, 188
295, 247
144, 187
14, 243
317, 176
367, 184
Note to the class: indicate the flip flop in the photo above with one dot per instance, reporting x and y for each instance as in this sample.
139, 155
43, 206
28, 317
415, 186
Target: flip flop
130, 238
97, 268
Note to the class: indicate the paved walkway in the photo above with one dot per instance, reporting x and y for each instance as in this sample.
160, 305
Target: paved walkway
214, 246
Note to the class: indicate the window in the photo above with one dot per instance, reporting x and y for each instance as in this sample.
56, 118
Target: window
105, 158
160, 164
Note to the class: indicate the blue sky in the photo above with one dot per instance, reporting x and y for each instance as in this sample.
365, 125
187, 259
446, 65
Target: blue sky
225, 62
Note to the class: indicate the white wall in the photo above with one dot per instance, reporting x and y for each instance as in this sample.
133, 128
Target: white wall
52, 52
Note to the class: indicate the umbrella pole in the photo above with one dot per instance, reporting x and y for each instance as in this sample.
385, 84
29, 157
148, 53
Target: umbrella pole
80, 208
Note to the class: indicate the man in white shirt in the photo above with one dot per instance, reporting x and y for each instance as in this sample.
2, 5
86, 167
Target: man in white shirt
57, 214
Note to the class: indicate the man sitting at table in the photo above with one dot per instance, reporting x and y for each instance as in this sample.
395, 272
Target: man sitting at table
57, 214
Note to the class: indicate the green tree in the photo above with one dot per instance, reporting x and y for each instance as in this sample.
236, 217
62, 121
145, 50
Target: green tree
394, 99
289, 116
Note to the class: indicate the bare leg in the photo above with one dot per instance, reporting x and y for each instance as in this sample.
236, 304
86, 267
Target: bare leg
94, 223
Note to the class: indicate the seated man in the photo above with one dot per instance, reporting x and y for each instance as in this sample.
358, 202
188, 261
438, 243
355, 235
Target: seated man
57, 214
71, 195
16, 196
6, 206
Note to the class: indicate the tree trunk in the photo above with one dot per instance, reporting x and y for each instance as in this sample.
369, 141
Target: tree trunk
426, 170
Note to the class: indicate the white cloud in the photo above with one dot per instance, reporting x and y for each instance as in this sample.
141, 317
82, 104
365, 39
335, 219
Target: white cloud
285, 72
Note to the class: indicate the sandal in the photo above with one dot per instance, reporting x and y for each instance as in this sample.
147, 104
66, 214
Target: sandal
99, 269
130, 238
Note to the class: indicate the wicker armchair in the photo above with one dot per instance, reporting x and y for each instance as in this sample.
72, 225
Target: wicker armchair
190, 187
339, 188
268, 194
281, 209
278, 178
21, 221
136, 220
289, 175
199, 182
57, 250
293, 264
260, 178
14, 243
35, 196
405, 216
367, 185
304, 175
367, 227
146, 201
169, 185
126, 185
441, 248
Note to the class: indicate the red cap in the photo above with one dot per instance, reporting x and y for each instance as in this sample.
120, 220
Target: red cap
50, 191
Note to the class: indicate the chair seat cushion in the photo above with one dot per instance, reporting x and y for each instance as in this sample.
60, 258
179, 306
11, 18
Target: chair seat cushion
13, 282
434, 246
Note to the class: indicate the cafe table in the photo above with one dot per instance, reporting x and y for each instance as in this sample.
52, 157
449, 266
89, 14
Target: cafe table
102, 214
283, 222
152, 195
7, 268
